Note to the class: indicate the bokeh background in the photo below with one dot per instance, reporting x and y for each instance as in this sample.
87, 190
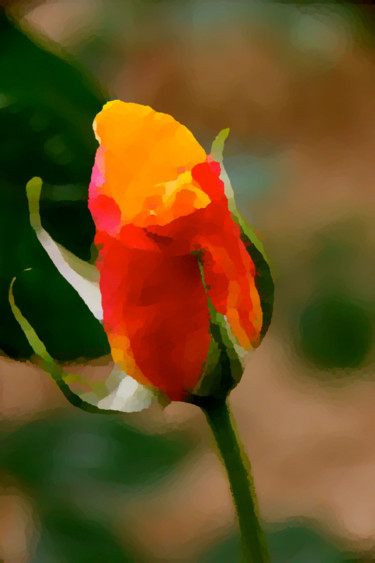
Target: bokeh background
296, 85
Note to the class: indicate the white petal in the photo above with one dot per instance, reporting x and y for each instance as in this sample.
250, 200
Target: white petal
81, 275
128, 396
86, 288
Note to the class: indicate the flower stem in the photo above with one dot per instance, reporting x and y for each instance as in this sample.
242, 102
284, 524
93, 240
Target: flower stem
238, 470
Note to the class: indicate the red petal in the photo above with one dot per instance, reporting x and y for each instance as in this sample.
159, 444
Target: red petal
207, 175
155, 301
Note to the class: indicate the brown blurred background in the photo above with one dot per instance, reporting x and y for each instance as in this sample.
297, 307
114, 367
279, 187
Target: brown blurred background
296, 85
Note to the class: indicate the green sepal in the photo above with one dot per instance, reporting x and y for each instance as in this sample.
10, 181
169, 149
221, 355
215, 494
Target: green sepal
90, 393
81, 267
48, 364
263, 279
223, 367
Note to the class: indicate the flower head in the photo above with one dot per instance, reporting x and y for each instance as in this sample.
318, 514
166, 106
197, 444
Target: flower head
173, 260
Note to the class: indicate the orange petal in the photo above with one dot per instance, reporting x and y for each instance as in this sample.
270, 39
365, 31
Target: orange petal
141, 149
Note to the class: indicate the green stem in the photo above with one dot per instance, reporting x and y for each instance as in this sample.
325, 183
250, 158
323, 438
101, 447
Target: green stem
238, 470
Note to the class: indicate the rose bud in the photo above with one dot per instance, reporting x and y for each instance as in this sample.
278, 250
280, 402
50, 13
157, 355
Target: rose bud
185, 291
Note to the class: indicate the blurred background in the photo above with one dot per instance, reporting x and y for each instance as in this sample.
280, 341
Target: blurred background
296, 85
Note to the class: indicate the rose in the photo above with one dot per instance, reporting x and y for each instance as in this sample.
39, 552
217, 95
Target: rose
184, 286
184, 289
173, 262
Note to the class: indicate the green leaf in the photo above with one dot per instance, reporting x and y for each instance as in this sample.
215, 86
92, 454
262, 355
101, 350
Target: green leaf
59, 316
47, 106
53, 103
68, 536
68, 456
297, 544
77, 469
292, 544
335, 331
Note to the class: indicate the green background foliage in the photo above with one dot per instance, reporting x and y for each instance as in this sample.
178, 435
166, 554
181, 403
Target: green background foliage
46, 112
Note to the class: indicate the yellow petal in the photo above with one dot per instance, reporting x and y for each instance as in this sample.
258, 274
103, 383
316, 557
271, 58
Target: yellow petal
143, 149
172, 200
